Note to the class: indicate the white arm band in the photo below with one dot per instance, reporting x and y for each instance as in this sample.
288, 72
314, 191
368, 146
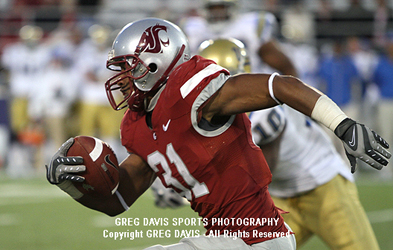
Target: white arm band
271, 92
122, 201
327, 112
68, 187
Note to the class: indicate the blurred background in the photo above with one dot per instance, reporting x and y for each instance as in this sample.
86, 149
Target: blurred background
52, 75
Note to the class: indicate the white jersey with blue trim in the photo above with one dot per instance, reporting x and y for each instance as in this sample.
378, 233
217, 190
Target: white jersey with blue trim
307, 157
253, 29
25, 65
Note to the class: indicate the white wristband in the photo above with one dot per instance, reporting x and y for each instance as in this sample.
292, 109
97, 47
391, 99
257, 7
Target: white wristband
327, 112
270, 85
68, 187
122, 201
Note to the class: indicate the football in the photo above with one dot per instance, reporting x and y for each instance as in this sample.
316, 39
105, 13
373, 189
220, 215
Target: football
102, 172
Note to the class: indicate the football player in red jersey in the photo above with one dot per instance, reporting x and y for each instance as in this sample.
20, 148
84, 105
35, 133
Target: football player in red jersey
186, 125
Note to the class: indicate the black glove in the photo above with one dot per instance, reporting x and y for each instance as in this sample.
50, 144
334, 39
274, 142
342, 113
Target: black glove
363, 143
62, 170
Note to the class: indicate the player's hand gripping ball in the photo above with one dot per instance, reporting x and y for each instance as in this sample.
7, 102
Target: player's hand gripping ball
102, 168
84, 165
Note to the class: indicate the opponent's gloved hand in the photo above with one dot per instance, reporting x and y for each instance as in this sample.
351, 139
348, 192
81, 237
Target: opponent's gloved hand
166, 197
363, 143
62, 170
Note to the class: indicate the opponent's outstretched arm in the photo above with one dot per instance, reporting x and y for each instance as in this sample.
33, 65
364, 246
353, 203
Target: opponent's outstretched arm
134, 173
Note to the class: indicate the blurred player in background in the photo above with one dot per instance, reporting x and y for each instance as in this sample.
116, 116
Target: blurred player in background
55, 102
186, 124
96, 115
310, 179
381, 76
71, 42
257, 30
25, 62
297, 28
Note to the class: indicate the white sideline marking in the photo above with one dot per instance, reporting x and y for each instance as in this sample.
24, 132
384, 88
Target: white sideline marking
103, 221
9, 220
18, 194
15, 194
380, 216
20, 190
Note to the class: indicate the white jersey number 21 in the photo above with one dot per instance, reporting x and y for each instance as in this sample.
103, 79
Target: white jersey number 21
156, 158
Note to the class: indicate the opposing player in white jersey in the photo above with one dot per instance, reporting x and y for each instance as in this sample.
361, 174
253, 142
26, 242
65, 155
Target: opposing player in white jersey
256, 30
310, 178
25, 61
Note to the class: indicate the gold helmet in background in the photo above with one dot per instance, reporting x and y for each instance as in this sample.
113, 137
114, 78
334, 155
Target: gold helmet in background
31, 35
100, 34
229, 53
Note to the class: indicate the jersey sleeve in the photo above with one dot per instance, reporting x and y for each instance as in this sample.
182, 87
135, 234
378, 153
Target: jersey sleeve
267, 124
187, 82
189, 88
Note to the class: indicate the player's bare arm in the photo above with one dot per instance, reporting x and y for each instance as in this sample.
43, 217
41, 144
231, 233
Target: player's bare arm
135, 178
250, 92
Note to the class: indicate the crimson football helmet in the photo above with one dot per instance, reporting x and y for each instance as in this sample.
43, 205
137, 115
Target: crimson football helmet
145, 51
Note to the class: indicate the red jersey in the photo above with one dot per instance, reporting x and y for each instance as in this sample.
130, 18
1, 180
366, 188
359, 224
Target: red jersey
220, 171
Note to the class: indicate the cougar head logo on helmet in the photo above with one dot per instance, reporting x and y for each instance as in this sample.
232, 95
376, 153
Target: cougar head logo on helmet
145, 52
150, 41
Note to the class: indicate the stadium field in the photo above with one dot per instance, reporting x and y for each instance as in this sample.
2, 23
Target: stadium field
35, 215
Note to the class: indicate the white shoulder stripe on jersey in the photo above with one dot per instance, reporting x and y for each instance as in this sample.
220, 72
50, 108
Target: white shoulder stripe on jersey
197, 78
214, 85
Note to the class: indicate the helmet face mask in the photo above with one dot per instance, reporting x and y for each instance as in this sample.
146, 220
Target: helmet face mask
145, 52
130, 68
